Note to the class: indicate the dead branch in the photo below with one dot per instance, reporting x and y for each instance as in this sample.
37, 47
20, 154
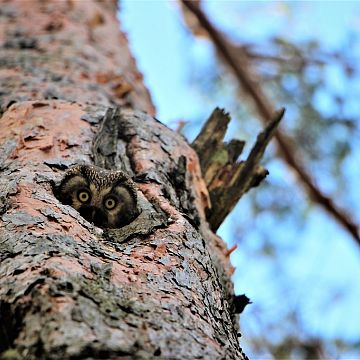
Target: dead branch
227, 180
249, 82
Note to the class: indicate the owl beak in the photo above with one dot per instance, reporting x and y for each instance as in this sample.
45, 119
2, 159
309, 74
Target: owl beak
97, 217
93, 215
88, 212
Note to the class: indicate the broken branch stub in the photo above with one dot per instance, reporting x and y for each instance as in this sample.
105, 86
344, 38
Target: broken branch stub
227, 180
213, 153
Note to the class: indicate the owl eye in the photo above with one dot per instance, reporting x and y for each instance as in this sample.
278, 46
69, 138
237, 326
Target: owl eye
110, 203
83, 196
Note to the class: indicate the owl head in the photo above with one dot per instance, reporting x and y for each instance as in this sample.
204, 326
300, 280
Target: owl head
105, 198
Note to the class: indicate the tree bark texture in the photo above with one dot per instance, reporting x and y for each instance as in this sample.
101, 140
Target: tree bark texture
68, 290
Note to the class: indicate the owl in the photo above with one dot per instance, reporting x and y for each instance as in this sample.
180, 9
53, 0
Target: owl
105, 198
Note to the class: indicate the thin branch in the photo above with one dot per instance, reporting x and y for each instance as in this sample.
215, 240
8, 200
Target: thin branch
251, 85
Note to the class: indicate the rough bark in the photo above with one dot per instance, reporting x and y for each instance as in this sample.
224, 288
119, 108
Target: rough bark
69, 290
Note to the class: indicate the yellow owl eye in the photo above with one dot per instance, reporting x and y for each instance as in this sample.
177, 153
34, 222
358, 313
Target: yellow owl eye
110, 203
84, 196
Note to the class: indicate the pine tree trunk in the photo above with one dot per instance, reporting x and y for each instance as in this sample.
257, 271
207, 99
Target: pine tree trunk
69, 290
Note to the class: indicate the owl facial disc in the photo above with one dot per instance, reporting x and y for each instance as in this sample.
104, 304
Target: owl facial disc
105, 198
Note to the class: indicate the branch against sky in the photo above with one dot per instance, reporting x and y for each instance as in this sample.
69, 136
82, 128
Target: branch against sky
249, 82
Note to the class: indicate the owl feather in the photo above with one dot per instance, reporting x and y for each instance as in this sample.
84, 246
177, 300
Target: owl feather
107, 198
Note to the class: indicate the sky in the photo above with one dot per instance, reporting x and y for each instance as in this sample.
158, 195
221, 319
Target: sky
327, 258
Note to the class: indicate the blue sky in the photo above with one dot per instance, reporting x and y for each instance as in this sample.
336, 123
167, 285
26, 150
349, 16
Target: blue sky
326, 262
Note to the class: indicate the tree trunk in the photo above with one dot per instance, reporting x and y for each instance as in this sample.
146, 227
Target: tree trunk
69, 290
